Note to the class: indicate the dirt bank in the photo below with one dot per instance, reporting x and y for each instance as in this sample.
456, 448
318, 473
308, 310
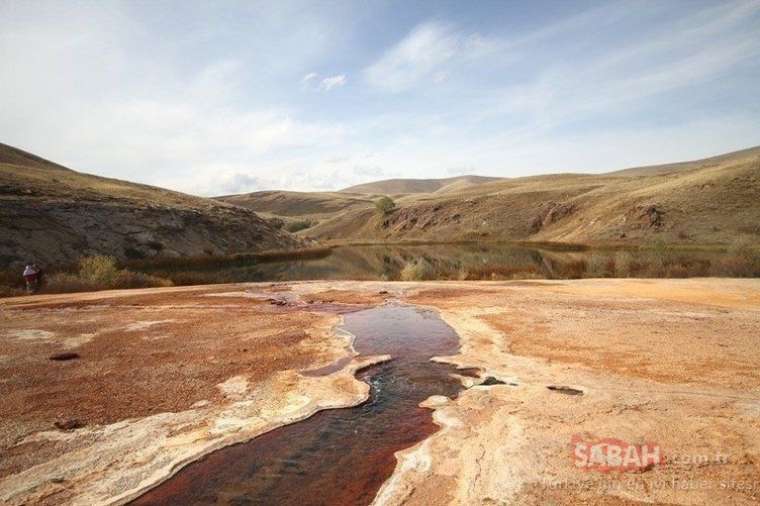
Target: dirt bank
166, 375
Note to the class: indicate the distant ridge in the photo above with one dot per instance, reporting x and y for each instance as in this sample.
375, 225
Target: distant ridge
409, 186
709, 201
649, 170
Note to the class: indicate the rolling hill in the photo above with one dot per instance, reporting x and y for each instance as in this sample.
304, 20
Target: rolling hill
291, 203
54, 215
704, 201
409, 186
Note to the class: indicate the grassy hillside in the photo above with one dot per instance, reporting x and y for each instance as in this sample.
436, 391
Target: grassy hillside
706, 201
289, 203
407, 186
54, 215
299, 211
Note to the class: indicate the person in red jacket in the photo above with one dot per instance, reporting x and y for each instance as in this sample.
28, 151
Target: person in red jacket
32, 276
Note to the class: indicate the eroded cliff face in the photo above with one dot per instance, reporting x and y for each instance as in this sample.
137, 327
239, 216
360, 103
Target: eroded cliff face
54, 215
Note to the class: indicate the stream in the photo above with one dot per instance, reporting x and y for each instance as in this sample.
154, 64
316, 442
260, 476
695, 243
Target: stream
337, 456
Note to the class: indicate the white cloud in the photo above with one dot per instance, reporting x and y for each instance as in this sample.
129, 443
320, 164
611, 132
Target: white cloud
104, 88
329, 83
232, 183
315, 82
417, 57
141, 117
308, 78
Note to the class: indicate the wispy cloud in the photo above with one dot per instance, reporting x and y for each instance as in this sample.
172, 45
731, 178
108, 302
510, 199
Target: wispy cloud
314, 81
419, 56
309, 78
110, 89
707, 45
331, 82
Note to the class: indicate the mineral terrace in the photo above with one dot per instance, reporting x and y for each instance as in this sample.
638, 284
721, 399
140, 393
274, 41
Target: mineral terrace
107, 394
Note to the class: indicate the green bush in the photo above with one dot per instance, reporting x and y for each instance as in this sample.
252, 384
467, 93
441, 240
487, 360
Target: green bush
385, 205
295, 226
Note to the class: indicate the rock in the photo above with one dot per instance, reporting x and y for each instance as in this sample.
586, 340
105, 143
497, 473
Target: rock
68, 355
652, 215
565, 390
553, 212
70, 424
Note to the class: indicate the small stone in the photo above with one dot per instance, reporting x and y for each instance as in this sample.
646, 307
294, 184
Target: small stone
565, 390
69, 424
60, 357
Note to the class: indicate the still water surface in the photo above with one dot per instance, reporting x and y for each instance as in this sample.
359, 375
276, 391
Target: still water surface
452, 261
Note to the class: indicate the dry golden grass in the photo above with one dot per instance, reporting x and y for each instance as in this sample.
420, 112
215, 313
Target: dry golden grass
704, 202
100, 273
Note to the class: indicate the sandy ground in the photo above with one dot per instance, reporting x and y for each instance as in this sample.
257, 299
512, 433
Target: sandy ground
167, 375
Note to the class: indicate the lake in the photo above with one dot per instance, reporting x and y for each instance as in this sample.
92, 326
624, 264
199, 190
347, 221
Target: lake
460, 261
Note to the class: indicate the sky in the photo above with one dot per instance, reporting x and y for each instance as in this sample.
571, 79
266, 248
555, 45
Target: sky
215, 98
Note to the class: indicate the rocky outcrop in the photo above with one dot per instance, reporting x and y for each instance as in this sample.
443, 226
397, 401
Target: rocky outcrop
647, 216
651, 215
551, 213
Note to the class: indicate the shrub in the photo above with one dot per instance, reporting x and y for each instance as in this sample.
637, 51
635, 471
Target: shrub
417, 270
67, 282
277, 223
385, 205
99, 270
101, 273
742, 259
295, 226
133, 253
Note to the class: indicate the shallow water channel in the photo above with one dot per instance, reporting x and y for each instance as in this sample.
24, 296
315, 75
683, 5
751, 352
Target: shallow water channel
338, 456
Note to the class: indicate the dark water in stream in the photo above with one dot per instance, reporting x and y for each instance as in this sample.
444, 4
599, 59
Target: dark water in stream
339, 456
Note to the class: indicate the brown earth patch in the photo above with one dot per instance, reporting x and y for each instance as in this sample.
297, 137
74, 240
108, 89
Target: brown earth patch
142, 355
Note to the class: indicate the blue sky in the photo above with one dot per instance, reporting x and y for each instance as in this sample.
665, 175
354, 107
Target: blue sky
226, 97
